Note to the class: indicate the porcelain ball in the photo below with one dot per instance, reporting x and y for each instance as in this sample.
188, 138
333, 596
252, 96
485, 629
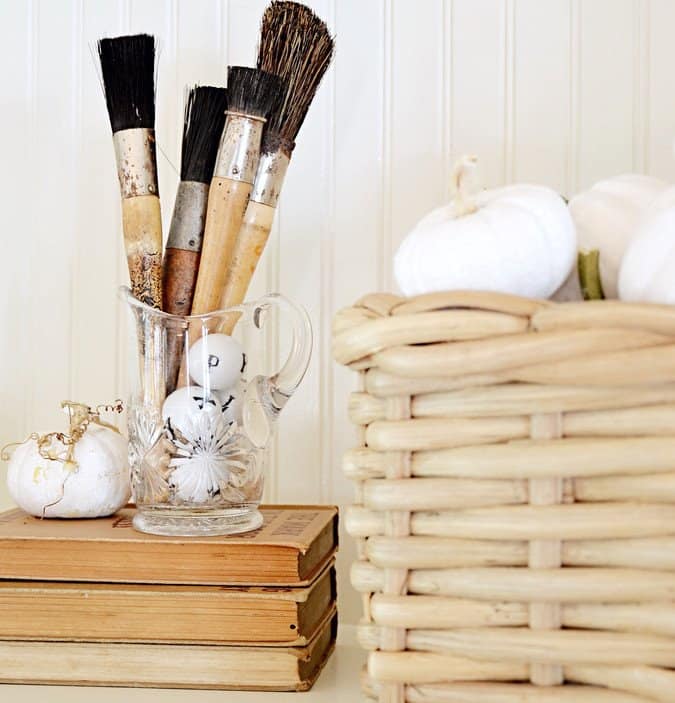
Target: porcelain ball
216, 361
186, 404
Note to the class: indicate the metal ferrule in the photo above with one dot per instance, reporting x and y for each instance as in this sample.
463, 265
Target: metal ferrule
239, 148
189, 216
136, 162
270, 177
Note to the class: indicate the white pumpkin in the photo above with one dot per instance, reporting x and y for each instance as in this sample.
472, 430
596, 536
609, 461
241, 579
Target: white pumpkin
518, 239
98, 485
647, 271
570, 290
607, 216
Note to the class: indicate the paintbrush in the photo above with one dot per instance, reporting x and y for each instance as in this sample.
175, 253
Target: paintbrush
128, 72
252, 93
296, 45
203, 122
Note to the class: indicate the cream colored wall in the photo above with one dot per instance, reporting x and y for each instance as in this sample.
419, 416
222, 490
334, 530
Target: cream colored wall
561, 92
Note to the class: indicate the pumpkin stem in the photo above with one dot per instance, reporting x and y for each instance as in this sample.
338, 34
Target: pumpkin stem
588, 267
463, 203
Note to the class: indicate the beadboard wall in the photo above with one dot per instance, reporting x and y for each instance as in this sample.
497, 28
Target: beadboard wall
561, 92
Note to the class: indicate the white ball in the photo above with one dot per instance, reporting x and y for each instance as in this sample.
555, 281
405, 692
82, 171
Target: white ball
232, 404
186, 404
216, 361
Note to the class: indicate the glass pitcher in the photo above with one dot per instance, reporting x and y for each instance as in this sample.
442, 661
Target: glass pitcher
199, 415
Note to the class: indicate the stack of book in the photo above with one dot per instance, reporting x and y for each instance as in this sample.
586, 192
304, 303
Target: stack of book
94, 602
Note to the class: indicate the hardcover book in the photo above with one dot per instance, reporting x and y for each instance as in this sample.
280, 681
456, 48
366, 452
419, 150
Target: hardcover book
168, 665
293, 545
47, 610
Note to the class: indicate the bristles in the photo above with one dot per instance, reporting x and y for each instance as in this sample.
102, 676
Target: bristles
203, 124
252, 91
128, 70
296, 45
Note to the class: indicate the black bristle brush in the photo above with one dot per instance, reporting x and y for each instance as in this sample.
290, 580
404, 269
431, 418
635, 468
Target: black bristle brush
296, 45
252, 94
203, 122
128, 72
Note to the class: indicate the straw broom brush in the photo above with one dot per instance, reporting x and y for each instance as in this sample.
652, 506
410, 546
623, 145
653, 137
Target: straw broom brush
252, 93
296, 45
128, 72
203, 122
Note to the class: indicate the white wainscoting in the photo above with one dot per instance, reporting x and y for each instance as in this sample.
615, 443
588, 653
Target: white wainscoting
561, 92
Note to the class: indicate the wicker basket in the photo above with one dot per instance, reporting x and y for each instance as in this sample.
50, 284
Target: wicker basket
515, 486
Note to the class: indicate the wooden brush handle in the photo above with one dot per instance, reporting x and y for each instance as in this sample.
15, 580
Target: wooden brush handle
180, 270
253, 235
224, 216
142, 226
180, 276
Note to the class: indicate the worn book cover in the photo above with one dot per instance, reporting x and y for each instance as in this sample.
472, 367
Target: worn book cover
169, 665
291, 548
48, 610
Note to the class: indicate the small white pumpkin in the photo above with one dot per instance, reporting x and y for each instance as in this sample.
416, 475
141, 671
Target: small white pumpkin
607, 216
647, 271
518, 239
570, 290
97, 485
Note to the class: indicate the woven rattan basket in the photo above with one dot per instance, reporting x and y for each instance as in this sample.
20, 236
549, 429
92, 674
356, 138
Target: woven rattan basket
515, 510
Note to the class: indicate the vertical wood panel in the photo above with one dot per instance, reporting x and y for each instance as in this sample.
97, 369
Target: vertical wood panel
385, 246
53, 203
606, 90
303, 226
358, 137
98, 232
328, 272
641, 30
507, 97
15, 341
358, 217
244, 23
661, 106
575, 98
198, 38
541, 108
477, 93
417, 183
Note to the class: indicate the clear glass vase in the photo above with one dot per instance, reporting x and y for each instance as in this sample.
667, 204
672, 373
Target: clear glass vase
199, 415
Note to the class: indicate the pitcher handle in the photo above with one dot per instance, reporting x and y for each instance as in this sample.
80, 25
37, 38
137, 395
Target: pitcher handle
282, 385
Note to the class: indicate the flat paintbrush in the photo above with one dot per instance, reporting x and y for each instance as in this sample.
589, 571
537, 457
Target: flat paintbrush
252, 93
203, 122
296, 45
128, 71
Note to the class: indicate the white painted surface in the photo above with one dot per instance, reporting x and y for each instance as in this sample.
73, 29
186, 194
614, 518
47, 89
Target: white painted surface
563, 92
